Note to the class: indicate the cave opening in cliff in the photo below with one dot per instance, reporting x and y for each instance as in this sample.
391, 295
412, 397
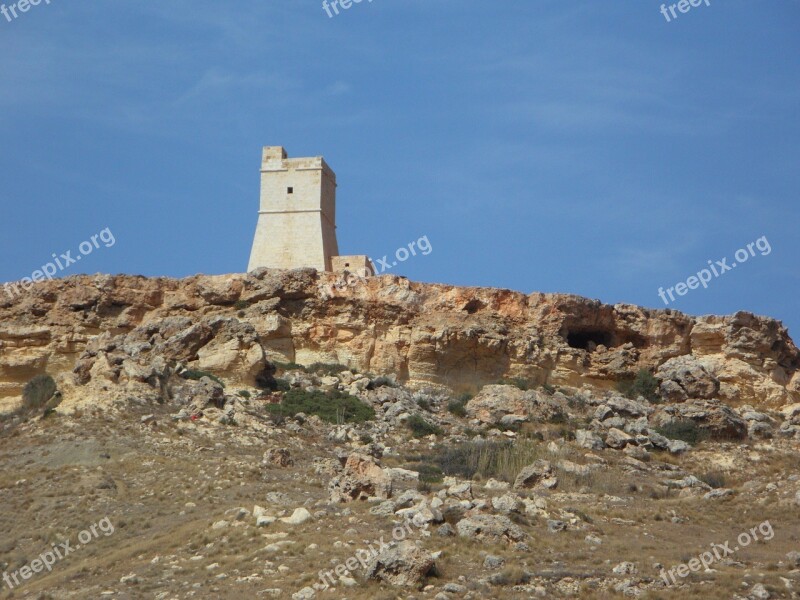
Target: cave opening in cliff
473, 306
589, 339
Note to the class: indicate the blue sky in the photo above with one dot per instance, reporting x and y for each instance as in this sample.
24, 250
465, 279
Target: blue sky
541, 145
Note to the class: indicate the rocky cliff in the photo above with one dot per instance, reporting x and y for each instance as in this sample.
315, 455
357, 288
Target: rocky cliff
120, 335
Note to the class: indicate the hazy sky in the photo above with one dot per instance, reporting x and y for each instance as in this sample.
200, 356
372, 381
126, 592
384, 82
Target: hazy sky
584, 147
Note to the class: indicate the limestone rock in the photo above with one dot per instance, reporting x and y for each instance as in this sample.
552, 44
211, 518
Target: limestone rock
361, 479
298, 517
589, 440
490, 528
385, 325
618, 439
717, 420
403, 565
685, 377
279, 457
537, 473
494, 402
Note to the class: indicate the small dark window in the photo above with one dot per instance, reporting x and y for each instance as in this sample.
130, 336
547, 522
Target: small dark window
346, 264
290, 190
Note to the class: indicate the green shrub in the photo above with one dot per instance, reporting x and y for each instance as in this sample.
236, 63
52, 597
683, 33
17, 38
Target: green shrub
244, 394
241, 305
282, 385
458, 407
332, 407
198, 375
644, 384
290, 366
38, 391
428, 473
420, 427
716, 479
685, 430
459, 461
380, 382
424, 404
327, 368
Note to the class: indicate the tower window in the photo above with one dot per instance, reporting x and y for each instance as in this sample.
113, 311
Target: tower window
290, 190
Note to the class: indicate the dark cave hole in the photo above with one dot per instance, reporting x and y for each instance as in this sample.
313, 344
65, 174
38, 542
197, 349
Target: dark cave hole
473, 306
583, 339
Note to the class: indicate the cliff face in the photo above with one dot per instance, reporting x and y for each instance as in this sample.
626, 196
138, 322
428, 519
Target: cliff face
105, 335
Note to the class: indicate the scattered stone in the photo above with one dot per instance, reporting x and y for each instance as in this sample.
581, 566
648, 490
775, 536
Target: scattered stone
554, 526
618, 439
490, 528
279, 457
538, 473
589, 439
307, 593
625, 568
403, 565
507, 503
462, 491
493, 562
717, 494
300, 516
361, 479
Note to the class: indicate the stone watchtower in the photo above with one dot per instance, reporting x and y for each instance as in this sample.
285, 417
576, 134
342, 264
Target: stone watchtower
297, 217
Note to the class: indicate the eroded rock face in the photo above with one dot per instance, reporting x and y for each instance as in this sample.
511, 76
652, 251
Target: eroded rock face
122, 329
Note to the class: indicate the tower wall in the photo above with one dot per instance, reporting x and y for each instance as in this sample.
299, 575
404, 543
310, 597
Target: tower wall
297, 217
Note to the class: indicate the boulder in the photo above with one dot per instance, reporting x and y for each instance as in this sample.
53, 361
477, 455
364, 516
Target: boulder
494, 402
403, 565
685, 377
361, 479
538, 473
716, 420
279, 457
298, 517
589, 439
618, 439
490, 528
625, 407
508, 503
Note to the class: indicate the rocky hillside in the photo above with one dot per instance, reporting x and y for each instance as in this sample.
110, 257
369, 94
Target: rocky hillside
92, 332
276, 435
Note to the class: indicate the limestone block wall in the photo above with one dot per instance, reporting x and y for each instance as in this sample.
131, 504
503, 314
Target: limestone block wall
297, 217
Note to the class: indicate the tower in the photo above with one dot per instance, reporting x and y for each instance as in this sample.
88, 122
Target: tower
297, 216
